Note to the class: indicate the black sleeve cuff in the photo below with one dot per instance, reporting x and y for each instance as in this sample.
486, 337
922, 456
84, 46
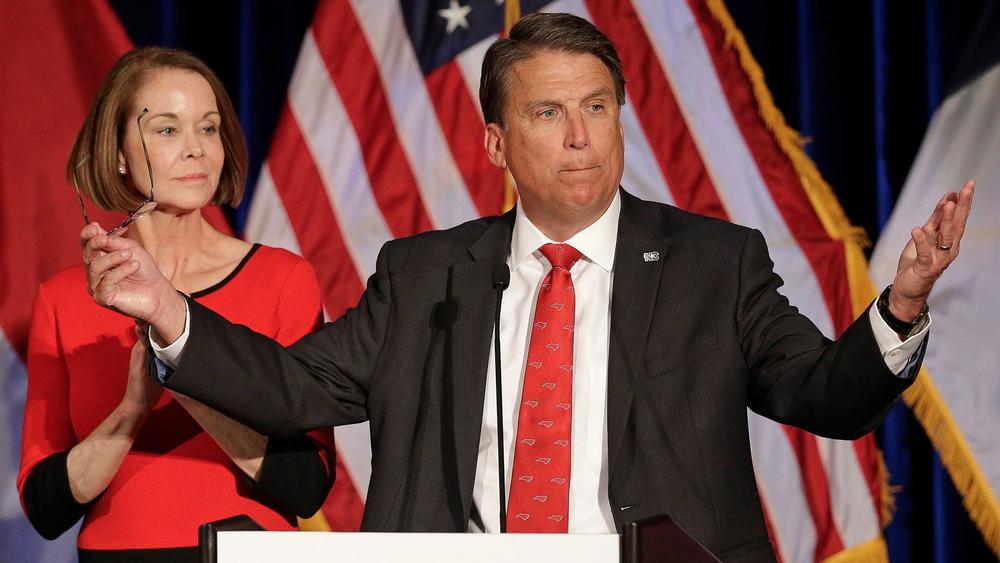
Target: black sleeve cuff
48, 499
293, 476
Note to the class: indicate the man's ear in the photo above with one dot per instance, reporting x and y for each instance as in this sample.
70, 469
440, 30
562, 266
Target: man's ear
493, 142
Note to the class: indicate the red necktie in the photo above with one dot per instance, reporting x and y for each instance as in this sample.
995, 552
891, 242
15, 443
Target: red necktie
539, 488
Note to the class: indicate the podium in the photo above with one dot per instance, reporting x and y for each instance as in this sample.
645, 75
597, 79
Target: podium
657, 539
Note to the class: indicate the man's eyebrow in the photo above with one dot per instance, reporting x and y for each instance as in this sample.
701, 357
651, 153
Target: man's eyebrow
602, 92
541, 103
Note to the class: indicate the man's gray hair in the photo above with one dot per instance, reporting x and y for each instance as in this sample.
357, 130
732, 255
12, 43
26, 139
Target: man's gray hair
534, 34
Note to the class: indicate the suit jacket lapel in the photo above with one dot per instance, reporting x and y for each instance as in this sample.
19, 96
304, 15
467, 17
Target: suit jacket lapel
640, 256
472, 333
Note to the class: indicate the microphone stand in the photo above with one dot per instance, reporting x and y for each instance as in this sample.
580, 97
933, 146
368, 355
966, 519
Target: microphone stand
501, 279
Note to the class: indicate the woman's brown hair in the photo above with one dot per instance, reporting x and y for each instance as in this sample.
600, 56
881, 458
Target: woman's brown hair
93, 161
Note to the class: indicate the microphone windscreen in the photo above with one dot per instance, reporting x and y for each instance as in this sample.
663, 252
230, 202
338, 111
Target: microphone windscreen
501, 276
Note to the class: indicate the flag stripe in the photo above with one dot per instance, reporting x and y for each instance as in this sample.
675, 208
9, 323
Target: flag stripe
817, 491
355, 440
343, 507
781, 179
353, 71
470, 62
842, 478
337, 152
868, 457
781, 483
770, 526
659, 113
301, 190
643, 174
267, 219
422, 140
465, 130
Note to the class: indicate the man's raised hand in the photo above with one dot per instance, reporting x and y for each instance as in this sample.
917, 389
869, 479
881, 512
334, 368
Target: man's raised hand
931, 249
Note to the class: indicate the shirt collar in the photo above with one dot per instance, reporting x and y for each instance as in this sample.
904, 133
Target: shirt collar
597, 242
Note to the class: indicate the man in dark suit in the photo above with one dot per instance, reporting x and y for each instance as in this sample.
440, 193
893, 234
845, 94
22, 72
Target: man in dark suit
634, 335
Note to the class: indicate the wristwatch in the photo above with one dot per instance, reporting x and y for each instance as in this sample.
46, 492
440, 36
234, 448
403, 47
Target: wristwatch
903, 328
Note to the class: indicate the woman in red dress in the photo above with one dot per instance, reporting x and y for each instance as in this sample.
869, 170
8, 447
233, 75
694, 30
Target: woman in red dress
101, 440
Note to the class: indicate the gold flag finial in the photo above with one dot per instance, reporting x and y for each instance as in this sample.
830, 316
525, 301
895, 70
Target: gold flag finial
511, 13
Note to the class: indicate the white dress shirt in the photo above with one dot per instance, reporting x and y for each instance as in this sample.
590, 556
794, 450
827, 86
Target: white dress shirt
590, 509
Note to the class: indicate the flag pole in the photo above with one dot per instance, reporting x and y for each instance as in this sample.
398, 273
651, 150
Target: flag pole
511, 15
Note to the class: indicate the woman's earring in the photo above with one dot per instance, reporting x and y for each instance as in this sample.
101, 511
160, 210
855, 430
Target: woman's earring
121, 170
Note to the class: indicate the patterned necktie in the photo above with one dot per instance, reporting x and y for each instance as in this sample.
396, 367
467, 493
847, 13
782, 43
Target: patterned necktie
539, 488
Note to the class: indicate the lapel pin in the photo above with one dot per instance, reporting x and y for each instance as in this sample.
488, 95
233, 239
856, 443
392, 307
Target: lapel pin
650, 256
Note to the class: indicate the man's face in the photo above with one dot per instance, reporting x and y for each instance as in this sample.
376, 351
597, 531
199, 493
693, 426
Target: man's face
562, 141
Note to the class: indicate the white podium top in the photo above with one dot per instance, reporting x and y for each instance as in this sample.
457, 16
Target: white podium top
308, 547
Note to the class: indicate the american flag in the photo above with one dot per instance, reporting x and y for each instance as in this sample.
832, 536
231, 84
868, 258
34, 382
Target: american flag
381, 137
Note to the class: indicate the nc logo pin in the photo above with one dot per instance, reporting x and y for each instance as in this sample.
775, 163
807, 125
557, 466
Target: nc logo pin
651, 256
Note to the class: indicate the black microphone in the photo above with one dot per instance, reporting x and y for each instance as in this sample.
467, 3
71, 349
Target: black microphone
501, 279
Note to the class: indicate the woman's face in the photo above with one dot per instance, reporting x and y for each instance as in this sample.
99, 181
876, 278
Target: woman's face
181, 131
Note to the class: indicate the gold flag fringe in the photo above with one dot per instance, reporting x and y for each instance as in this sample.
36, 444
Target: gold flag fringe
872, 551
978, 496
819, 192
315, 523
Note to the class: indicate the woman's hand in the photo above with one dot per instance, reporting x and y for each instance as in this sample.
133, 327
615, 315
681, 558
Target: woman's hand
93, 463
141, 392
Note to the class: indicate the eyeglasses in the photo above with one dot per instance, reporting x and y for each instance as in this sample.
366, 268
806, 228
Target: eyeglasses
145, 207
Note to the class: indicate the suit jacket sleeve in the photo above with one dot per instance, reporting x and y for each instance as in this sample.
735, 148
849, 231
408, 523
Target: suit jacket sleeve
321, 380
840, 389
297, 473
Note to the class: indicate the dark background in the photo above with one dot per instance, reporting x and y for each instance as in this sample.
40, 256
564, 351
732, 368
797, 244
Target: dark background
860, 80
